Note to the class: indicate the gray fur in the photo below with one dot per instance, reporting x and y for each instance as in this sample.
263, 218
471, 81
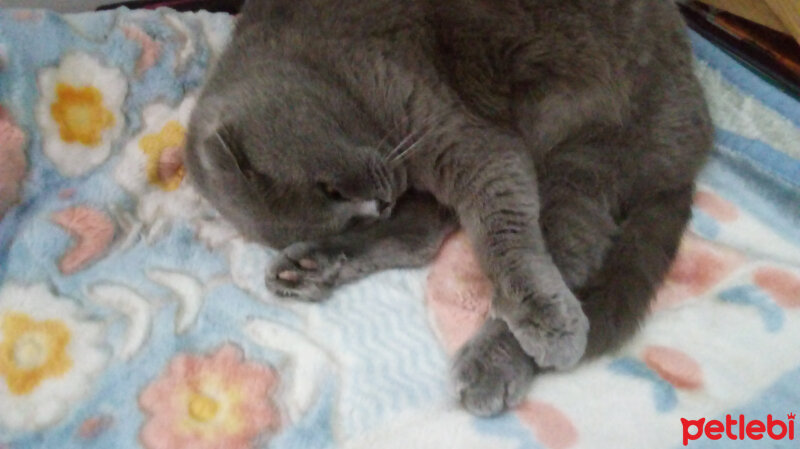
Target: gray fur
492, 372
563, 135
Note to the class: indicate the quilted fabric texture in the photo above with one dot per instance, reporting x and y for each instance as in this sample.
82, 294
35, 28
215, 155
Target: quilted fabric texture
132, 316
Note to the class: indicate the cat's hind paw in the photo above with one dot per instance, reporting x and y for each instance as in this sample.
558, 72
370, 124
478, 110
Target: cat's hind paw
304, 271
492, 375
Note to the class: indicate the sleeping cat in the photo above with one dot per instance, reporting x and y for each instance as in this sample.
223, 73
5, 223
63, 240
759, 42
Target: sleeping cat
564, 136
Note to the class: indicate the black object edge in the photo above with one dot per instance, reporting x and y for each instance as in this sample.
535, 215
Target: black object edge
228, 6
748, 54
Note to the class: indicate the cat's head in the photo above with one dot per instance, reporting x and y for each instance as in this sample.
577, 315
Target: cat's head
287, 156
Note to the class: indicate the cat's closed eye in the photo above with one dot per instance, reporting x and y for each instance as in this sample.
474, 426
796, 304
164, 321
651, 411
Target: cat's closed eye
255, 179
330, 192
250, 174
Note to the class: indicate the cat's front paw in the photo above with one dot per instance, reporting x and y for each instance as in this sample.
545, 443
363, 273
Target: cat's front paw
306, 271
552, 330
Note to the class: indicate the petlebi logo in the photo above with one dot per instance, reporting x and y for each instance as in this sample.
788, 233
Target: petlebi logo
739, 429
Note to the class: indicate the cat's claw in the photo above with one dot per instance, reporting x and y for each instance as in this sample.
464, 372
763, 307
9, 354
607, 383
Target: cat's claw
554, 332
304, 271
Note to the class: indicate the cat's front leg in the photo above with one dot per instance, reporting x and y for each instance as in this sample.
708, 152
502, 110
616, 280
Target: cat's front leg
487, 179
409, 238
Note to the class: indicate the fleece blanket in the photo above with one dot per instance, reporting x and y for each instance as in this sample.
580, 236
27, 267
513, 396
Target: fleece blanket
132, 316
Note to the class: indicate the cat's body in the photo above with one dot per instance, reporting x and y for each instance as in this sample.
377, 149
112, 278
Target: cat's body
563, 135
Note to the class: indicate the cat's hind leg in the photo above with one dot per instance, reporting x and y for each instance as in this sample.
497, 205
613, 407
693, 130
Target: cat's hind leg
492, 372
614, 270
617, 297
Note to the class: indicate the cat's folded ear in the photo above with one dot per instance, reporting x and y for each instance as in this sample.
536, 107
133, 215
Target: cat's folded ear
213, 144
224, 150
215, 151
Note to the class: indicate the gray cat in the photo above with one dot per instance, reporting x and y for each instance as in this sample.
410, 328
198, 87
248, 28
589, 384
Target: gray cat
563, 135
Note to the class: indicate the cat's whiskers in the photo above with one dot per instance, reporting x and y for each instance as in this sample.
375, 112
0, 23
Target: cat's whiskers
426, 125
385, 138
384, 179
390, 155
407, 152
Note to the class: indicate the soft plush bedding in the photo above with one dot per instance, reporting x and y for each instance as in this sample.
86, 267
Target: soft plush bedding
132, 316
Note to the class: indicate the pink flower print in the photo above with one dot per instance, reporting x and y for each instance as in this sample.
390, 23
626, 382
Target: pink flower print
698, 267
716, 206
782, 285
218, 401
151, 50
552, 427
93, 232
674, 366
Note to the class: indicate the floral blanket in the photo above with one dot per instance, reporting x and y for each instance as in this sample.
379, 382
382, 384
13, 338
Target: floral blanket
132, 316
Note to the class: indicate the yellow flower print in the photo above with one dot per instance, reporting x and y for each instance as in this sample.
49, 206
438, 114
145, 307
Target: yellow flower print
211, 408
80, 114
49, 356
202, 408
152, 168
164, 152
32, 351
